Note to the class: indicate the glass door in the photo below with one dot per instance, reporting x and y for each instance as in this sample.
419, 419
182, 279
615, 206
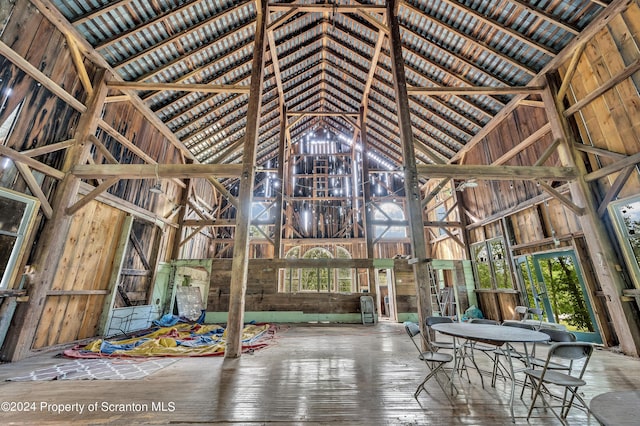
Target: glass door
554, 283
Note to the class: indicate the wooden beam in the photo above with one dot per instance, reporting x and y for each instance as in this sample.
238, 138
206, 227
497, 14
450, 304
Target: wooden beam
615, 189
442, 224
326, 8
323, 113
78, 62
239, 267
183, 202
78, 292
528, 90
579, 211
573, 66
382, 28
149, 171
496, 172
630, 160
103, 150
282, 149
46, 149
419, 246
547, 153
127, 207
627, 72
35, 188
612, 10
435, 191
191, 235
38, 76
222, 190
597, 237
323, 263
92, 195
530, 140
529, 102
209, 222
28, 161
117, 98
179, 87
55, 233
366, 181
598, 151
273, 25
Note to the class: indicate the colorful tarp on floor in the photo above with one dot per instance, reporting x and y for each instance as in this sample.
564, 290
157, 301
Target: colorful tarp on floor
177, 340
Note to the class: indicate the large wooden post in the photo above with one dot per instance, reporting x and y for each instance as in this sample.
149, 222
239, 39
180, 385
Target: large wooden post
56, 230
367, 211
411, 183
240, 263
277, 229
596, 236
366, 189
184, 202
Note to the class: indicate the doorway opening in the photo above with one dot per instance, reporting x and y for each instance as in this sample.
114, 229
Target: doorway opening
554, 283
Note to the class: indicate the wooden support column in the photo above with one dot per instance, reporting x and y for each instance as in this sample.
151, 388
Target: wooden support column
596, 235
239, 267
367, 212
411, 183
184, 200
366, 187
55, 232
280, 191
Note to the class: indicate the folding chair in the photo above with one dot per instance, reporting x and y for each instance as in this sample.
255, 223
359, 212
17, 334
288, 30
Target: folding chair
434, 360
498, 352
569, 381
555, 336
436, 345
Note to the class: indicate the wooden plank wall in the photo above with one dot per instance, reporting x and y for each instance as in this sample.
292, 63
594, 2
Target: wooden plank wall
45, 119
492, 197
87, 261
262, 292
406, 301
612, 120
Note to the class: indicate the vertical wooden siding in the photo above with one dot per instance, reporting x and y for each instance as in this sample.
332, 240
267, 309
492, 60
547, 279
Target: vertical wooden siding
88, 257
612, 120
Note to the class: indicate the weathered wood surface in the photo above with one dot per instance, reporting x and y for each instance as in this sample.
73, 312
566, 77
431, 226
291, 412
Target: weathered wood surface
86, 261
315, 374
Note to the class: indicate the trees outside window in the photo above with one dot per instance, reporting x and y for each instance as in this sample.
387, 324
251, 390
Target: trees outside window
490, 265
324, 280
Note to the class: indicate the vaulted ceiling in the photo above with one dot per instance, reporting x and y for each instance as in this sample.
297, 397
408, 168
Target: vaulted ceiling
325, 61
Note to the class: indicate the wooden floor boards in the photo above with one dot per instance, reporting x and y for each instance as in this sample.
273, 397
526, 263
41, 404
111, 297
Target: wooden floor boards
310, 375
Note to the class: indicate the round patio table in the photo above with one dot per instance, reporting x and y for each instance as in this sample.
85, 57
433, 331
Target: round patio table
617, 408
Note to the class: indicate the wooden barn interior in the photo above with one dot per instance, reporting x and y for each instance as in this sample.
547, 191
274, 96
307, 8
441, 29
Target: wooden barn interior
287, 158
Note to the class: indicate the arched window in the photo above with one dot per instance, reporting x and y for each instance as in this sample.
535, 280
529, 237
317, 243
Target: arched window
325, 279
391, 211
345, 275
316, 279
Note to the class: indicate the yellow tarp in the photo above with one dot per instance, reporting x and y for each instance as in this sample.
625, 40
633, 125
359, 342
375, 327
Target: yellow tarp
174, 341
